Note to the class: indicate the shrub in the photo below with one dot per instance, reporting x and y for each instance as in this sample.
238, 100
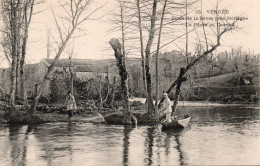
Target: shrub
24, 118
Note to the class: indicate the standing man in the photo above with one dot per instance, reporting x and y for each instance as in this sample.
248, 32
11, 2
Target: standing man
167, 109
71, 104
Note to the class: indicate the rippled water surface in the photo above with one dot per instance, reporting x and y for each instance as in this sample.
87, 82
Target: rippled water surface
215, 136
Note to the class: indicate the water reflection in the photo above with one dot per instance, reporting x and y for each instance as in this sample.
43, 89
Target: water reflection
176, 135
228, 116
56, 142
217, 136
126, 143
18, 137
17, 148
161, 147
149, 145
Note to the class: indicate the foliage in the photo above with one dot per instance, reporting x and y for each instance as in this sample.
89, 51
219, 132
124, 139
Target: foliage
86, 89
59, 87
22, 117
142, 119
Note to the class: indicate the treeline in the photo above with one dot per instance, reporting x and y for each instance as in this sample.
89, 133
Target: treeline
240, 85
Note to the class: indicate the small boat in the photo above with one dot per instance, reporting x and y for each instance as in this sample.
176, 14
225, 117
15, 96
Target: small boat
181, 121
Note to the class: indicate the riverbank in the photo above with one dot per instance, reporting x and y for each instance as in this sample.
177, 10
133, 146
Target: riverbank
22, 117
205, 103
107, 116
112, 118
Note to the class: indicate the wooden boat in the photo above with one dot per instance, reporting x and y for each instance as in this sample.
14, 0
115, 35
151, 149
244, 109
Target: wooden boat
181, 121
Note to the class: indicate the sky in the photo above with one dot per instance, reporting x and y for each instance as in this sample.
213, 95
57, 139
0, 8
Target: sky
95, 44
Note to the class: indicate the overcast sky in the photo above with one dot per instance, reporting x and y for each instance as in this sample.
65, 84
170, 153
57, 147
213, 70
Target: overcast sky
95, 43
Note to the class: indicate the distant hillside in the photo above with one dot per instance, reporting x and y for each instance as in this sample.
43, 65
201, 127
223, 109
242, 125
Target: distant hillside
216, 77
206, 73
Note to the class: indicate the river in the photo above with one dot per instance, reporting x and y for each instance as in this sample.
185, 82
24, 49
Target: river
216, 136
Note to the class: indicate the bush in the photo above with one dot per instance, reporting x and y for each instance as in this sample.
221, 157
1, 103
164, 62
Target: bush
24, 118
137, 105
4, 106
142, 119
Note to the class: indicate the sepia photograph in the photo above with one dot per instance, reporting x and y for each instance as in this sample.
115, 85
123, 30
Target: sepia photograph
129, 82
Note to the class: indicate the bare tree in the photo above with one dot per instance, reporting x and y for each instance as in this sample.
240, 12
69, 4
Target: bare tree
71, 76
107, 91
115, 44
27, 12
76, 13
48, 44
141, 45
11, 14
16, 16
152, 29
157, 57
145, 18
148, 21
201, 54
113, 93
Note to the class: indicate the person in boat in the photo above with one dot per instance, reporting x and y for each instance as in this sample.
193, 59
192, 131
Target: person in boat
166, 109
71, 104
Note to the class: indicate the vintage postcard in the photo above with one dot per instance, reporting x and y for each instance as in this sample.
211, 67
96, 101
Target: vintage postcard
129, 82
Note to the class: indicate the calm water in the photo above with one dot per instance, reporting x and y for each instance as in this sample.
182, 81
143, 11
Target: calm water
215, 136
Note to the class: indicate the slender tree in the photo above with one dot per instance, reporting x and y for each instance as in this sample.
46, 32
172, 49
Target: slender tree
141, 45
76, 14
157, 57
16, 16
149, 98
181, 78
115, 44
27, 12
11, 14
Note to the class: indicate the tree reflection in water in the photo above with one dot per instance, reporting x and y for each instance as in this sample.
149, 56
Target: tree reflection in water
51, 138
156, 139
70, 129
126, 143
176, 135
18, 141
149, 145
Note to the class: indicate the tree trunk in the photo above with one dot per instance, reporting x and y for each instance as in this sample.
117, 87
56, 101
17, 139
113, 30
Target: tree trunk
13, 82
180, 79
17, 96
142, 47
107, 89
3, 92
22, 92
27, 22
13, 54
100, 93
22, 79
149, 98
71, 72
113, 94
157, 58
123, 74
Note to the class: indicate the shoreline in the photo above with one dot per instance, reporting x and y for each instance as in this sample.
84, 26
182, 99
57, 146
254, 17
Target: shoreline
108, 117
205, 103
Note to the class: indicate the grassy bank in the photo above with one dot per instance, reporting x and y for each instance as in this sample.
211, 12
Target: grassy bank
116, 118
110, 117
19, 117
54, 114
142, 118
